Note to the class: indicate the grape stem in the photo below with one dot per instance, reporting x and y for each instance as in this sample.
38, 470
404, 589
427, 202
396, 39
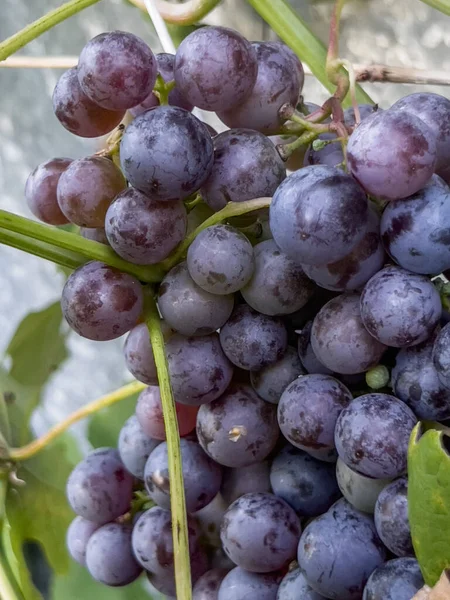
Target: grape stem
177, 497
29, 450
40, 26
186, 13
442, 5
7, 590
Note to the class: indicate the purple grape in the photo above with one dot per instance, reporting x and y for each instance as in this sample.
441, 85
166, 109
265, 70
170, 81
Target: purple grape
166, 153
308, 411
101, 303
86, 189
415, 230
355, 269
138, 353
362, 492
397, 579
339, 339
117, 70
209, 519
279, 81
109, 557
372, 435
307, 357
165, 582
199, 370
237, 482
207, 586
271, 381
99, 488
365, 110
78, 535
40, 191
400, 308
391, 518
339, 550
165, 64
306, 484
392, 154
142, 230
238, 429
215, 68
239, 584
246, 166
441, 355
252, 340
330, 155
220, 259
278, 285
135, 446
96, 234
260, 532
313, 206
77, 113
202, 476
294, 586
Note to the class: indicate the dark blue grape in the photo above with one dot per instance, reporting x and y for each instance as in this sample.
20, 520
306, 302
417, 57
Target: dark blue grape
207, 586
242, 585
271, 381
330, 155
391, 518
294, 586
397, 579
77, 538
134, 447
237, 482
441, 355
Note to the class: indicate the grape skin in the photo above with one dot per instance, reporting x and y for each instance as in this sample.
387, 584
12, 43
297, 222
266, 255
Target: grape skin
260, 533
271, 381
330, 155
237, 482
215, 68
138, 353
142, 230
40, 191
117, 70
238, 429
307, 356
96, 234
86, 189
166, 153
391, 518
101, 303
77, 537
294, 586
239, 584
397, 579
400, 308
360, 491
189, 309
372, 435
207, 586
441, 355
134, 447
77, 113
278, 285
246, 166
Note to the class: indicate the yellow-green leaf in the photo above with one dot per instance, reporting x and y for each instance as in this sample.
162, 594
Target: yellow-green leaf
104, 426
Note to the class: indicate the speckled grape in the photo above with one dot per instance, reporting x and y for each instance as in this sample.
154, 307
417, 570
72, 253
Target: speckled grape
294, 586
242, 585
40, 191
135, 446
271, 381
207, 586
397, 579
307, 356
441, 355
391, 518
138, 353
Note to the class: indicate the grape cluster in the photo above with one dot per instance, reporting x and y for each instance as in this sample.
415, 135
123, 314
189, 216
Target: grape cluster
295, 471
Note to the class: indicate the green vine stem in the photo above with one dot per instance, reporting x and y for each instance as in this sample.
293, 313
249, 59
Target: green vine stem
177, 497
186, 13
6, 588
37, 28
442, 5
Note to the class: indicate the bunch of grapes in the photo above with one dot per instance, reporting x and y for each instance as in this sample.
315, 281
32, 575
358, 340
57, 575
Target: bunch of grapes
294, 468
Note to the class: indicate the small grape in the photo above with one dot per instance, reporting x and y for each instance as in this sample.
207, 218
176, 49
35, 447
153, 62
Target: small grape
441, 355
330, 155
165, 582
207, 586
271, 381
96, 234
135, 446
237, 482
294, 586
78, 535
40, 191
138, 353
362, 492
397, 579
391, 518
239, 584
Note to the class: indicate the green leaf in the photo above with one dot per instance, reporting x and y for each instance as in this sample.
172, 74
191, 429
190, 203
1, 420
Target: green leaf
20, 402
104, 426
429, 500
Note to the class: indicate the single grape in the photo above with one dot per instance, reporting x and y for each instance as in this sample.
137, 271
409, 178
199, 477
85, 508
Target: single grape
166, 153
246, 166
362, 492
209, 519
86, 189
397, 579
271, 381
330, 155
307, 356
77, 113
441, 355
165, 582
238, 429
99, 488
339, 339
260, 532
109, 557
239, 584
135, 446
40, 191
278, 285
138, 353
309, 408
306, 484
215, 68
96, 234
149, 413
372, 435
199, 370
252, 340
101, 303
220, 260
314, 206
392, 154
188, 308
202, 476
207, 586
354, 270
117, 70
391, 518
339, 550
415, 231
365, 110
237, 482
77, 537
165, 64
294, 586
142, 230
279, 81
400, 308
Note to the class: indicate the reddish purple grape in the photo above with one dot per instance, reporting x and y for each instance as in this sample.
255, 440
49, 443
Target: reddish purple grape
40, 191
138, 353
78, 534
96, 234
